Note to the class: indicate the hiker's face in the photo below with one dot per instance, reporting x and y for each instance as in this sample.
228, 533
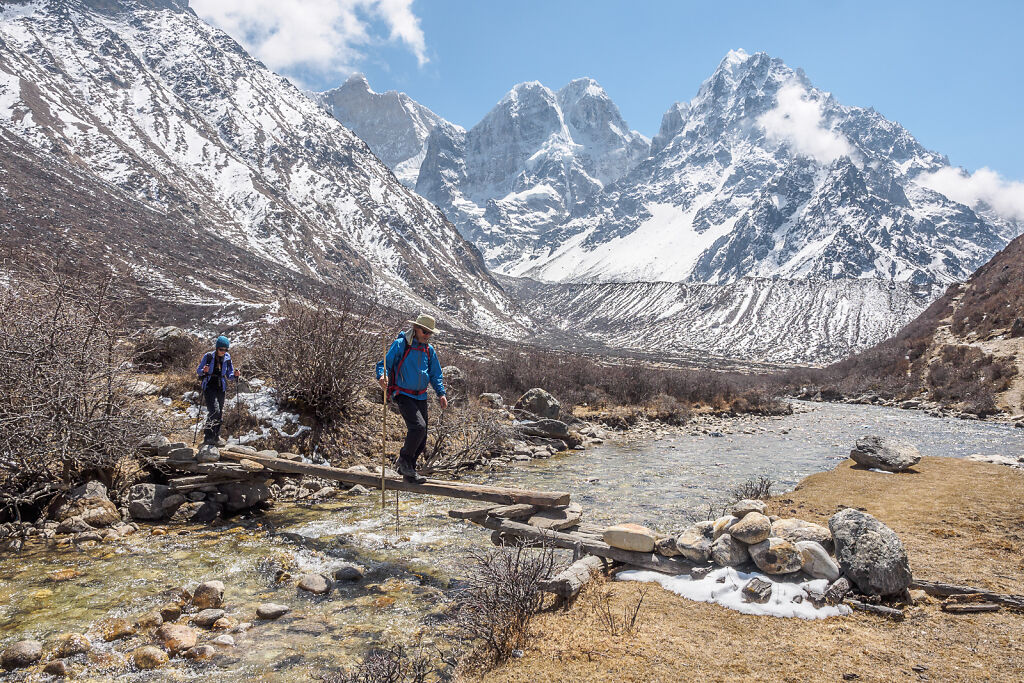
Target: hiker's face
422, 335
221, 351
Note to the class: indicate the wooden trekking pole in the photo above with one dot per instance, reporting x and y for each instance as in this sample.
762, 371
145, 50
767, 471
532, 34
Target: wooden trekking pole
384, 430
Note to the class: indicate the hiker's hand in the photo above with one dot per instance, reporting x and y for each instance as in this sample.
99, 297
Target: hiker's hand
444, 402
383, 381
206, 369
238, 374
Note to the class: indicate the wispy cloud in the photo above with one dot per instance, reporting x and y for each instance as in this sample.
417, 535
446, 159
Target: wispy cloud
983, 187
326, 37
796, 121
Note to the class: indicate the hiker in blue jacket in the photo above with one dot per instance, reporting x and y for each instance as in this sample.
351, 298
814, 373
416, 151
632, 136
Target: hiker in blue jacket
410, 366
215, 369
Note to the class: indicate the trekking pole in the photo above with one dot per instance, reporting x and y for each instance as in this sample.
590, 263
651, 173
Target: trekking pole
199, 419
384, 431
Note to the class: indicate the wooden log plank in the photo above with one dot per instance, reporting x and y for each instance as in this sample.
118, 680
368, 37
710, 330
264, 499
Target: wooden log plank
880, 610
570, 581
471, 514
970, 607
558, 539
436, 487
944, 590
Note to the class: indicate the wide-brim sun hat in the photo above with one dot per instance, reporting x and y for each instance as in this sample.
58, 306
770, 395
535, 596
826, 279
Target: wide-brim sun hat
425, 321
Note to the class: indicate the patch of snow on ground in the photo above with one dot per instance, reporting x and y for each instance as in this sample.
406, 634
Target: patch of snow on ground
728, 593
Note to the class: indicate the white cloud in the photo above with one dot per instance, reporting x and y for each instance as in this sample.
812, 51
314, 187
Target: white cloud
796, 120
325, 36
984, 186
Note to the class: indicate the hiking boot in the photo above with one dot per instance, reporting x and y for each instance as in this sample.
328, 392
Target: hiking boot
409, 473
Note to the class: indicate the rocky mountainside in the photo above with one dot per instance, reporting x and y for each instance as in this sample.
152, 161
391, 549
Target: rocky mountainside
760, 177
143, 99
392, 124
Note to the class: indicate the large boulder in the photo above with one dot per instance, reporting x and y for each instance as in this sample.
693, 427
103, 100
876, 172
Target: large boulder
146, 501
243, 495
753, 528
885, 453
455, 381
794, 530
546, 428
540, 403
728, 552
89, 502
870, 553
695, 543
776, 556
633, 537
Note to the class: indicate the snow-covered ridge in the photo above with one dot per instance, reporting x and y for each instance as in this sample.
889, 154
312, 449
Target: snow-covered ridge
150, 99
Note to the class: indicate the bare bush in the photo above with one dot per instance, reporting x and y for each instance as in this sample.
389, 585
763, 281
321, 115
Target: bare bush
462, 434
502, 596
66, 410
392, 664
626, 620
319, 356
755, 488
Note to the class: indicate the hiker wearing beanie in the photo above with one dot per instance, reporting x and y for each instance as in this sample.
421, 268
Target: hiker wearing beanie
215, 369
410, 366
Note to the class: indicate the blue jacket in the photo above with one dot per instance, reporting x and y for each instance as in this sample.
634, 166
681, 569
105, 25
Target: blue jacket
420, 369
227, 370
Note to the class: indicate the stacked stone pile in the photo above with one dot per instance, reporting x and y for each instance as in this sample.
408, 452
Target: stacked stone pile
855, 551
542, 432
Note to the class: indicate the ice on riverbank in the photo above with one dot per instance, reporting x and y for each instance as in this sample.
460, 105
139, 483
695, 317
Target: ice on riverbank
723, 586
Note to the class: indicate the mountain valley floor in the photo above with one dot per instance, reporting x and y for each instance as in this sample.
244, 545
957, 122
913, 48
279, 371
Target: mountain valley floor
958, 524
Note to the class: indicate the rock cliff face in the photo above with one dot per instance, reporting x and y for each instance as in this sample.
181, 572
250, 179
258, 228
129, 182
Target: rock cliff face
145, 99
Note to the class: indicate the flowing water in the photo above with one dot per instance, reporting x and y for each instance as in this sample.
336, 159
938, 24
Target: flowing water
657, 480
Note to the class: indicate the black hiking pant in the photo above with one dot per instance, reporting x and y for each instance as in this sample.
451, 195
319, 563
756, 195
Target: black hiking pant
414, 412
214, 396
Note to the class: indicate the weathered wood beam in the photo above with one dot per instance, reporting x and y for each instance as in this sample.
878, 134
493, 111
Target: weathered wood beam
970, 607
435, 487
558, 539
514, 512
944, 590
571, 580
880, 610
471, 514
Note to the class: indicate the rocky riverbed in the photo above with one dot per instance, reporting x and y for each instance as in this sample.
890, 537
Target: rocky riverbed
658, 476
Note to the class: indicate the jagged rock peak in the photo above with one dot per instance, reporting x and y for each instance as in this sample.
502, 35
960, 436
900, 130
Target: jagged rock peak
118, 6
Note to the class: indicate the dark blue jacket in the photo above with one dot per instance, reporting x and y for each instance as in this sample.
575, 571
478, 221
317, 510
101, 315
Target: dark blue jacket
420, 369
227, 370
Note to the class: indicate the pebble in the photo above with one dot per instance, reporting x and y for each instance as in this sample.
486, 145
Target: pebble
272, 610
149, 657
200, 652
314, 583
56, 668
72, 644
223, 641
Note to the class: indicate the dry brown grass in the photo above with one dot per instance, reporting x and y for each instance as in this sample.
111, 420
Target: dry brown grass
960, 521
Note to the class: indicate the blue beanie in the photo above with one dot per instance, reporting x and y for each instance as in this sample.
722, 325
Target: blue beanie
223, 342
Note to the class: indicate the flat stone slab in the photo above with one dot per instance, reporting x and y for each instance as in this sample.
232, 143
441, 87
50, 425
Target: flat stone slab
632, 537
557, 519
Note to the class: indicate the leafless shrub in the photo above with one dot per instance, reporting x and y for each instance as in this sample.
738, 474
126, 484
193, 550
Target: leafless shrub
320, 356
628, 619
462, 434
392, 664
503, 594
755, 488
65, 405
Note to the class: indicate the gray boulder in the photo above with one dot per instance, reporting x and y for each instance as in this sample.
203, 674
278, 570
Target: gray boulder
695, 543
493, 400
540, 403
816, 561
870, 553
207, 454
884, 453
753, 528
793, 530
547, 428
146, 501
728, 552
776, 556
242, 496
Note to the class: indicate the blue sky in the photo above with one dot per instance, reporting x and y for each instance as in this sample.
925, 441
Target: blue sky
948, 71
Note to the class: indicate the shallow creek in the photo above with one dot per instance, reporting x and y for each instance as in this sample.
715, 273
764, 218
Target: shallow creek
655, 480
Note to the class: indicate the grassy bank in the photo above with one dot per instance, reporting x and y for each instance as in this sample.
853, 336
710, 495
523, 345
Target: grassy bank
958, 523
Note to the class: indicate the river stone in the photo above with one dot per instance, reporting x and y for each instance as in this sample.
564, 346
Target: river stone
746, 505
752, 528
176, 637
885, 453
545, 428
728, 552
170, 611
207, 617
357, 490
666, 547
71, 644
89, 502
146, 501
540, 403
793, 530
816, 561
632, 537
722, 525
223, 624
870, 553
196, 512
207, 595
776, 556
21, 654
223, 641
149, 621
272, 610
695, 542
115, 629
56, 668
74, 525
200, 653
243, 495
149, 657
348, 572
316, 584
